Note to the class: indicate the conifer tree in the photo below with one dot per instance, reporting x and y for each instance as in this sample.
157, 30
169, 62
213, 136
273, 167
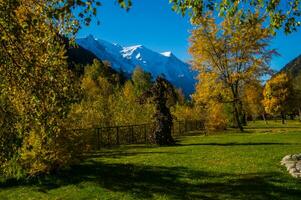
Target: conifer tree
158, 95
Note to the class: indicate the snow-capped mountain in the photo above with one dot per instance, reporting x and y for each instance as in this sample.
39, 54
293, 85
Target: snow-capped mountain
128, 58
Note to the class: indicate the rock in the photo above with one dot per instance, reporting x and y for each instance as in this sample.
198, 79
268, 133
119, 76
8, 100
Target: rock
293, 170
295, 175
298, 166
293, 164
294, 157
290, 164
298, 175
286, 158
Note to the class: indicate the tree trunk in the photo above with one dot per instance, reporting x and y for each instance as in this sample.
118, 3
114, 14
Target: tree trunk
264, 119
282, 117
246, 118
236, 117
299, 109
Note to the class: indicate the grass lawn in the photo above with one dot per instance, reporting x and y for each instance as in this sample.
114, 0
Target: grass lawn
228, 165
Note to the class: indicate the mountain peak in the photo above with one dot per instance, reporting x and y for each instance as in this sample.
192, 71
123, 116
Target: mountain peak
132, 48
167, 54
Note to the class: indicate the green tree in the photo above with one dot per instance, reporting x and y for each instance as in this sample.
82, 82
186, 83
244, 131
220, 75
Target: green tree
142, 80
281, 13
296, 95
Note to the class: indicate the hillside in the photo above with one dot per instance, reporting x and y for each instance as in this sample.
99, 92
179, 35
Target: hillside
293, 68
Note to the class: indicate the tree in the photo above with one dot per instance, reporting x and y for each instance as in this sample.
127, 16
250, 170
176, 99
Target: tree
158, 94
36, 83
281, 13
98, 86
142, 80
210, 96
252, 99
126, 109
295, 98
276, 94
230, 54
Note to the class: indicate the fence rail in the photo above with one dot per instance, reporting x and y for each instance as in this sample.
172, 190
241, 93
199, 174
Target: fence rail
96, 138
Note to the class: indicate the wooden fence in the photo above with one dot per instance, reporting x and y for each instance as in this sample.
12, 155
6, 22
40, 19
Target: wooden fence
96, 138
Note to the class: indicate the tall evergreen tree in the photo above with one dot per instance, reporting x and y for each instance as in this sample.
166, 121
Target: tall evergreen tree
158, 95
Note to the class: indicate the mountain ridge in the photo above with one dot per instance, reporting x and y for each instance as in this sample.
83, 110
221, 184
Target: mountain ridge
128, 58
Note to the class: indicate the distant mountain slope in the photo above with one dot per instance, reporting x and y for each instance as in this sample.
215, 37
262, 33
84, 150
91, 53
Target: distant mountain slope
293, 68
79, 57
127, 58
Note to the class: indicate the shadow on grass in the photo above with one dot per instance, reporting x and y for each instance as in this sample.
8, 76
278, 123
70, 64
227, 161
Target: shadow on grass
274, 127
143, 182
239, 144
122, 153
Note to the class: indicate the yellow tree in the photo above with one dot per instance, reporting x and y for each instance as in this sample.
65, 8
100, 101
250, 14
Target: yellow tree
231, 53
276, 94
252, 99
36, 82
209, 96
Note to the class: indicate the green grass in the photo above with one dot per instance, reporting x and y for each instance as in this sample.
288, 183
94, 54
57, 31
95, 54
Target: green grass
227, 165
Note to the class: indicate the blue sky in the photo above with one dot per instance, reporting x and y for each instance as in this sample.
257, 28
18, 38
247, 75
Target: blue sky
154, 25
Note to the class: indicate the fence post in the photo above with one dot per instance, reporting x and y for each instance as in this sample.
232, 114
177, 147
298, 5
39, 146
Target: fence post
101, 137
132, 133
108, 136
145, 133
98, 140
117, 135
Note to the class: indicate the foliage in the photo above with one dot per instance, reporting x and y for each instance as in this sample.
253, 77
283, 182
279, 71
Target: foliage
209, 95
142, 80
37, 86
127, 110
295, 97
281, 13
9, 139
252, 99
276, 94
106, 102
229, 55
187, 111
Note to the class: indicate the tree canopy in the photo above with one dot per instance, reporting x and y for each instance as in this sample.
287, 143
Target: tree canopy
229, 55
280, 13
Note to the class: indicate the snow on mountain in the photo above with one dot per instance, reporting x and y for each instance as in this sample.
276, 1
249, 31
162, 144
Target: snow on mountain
128, 58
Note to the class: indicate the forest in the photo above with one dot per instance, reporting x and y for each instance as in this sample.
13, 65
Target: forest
50, 86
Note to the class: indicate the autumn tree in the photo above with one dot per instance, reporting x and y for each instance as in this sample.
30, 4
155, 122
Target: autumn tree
209, 97
97, 85
36, 82
252, 99
230, 54
125, 108
142, 80
276, 94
